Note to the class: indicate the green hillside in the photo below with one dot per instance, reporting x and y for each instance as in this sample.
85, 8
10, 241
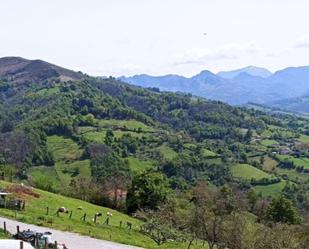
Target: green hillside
143, 152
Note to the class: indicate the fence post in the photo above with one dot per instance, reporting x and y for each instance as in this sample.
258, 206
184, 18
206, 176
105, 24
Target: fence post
56, 244
71, 214
21, 245
17, 228
36, 242
95, 218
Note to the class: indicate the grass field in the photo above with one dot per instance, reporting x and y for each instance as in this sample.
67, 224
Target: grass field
137, 165
35, 213
304, 138
248, 172
271, 189
302, 162
167, 152
208, 153
128, 124
269, 164
268, 142
293, 175
67, 159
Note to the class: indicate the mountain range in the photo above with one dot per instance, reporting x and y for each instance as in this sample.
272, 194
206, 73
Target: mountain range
237, 87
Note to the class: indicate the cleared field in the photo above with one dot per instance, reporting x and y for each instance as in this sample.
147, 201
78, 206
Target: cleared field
293, 175
137, 165
268, 142
269, 164
304, 138
167, 152
67, 159
248, 172
302, 162
128, 124
208, 153
271, 189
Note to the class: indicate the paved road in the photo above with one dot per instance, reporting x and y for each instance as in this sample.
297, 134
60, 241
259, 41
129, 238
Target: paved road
72, 240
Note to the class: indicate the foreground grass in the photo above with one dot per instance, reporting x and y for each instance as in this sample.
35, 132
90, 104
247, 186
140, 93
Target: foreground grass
4, 235
35, 213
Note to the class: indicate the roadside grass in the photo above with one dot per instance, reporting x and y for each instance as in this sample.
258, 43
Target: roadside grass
271, 190
137, 165
35, 213
248, 172
4, 235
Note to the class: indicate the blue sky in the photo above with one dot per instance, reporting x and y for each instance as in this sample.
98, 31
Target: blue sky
125, 37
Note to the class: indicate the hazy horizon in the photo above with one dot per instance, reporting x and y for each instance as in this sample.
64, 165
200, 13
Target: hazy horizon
157, 37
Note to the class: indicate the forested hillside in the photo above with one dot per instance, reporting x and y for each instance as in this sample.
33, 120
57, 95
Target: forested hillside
129, 148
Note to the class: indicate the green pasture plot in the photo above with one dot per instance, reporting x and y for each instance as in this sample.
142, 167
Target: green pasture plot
293, 175
304, 138
208, 153
301, 162
248, 172
189, 146
64, 148
268, 142
269, 163
167, 152
137, 165
128, 124
36, 213
67, 156
271, 189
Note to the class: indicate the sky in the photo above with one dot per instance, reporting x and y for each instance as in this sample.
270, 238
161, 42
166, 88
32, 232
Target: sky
127, 37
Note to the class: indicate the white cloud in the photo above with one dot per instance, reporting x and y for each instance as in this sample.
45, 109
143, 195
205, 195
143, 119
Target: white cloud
302, 42
230, 51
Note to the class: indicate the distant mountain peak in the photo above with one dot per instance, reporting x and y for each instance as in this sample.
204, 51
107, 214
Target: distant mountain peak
20, 70
251, 70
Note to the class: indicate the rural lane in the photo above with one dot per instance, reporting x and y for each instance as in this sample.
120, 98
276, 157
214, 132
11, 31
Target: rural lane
71, 240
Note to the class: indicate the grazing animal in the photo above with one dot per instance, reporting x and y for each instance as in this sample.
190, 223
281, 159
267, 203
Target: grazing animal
63, 210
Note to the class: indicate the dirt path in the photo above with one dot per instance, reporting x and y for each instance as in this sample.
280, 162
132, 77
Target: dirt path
72, 240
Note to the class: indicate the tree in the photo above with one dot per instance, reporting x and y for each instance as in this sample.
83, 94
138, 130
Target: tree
213, 207
158, 227
148, 190
109, 137
282, 210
